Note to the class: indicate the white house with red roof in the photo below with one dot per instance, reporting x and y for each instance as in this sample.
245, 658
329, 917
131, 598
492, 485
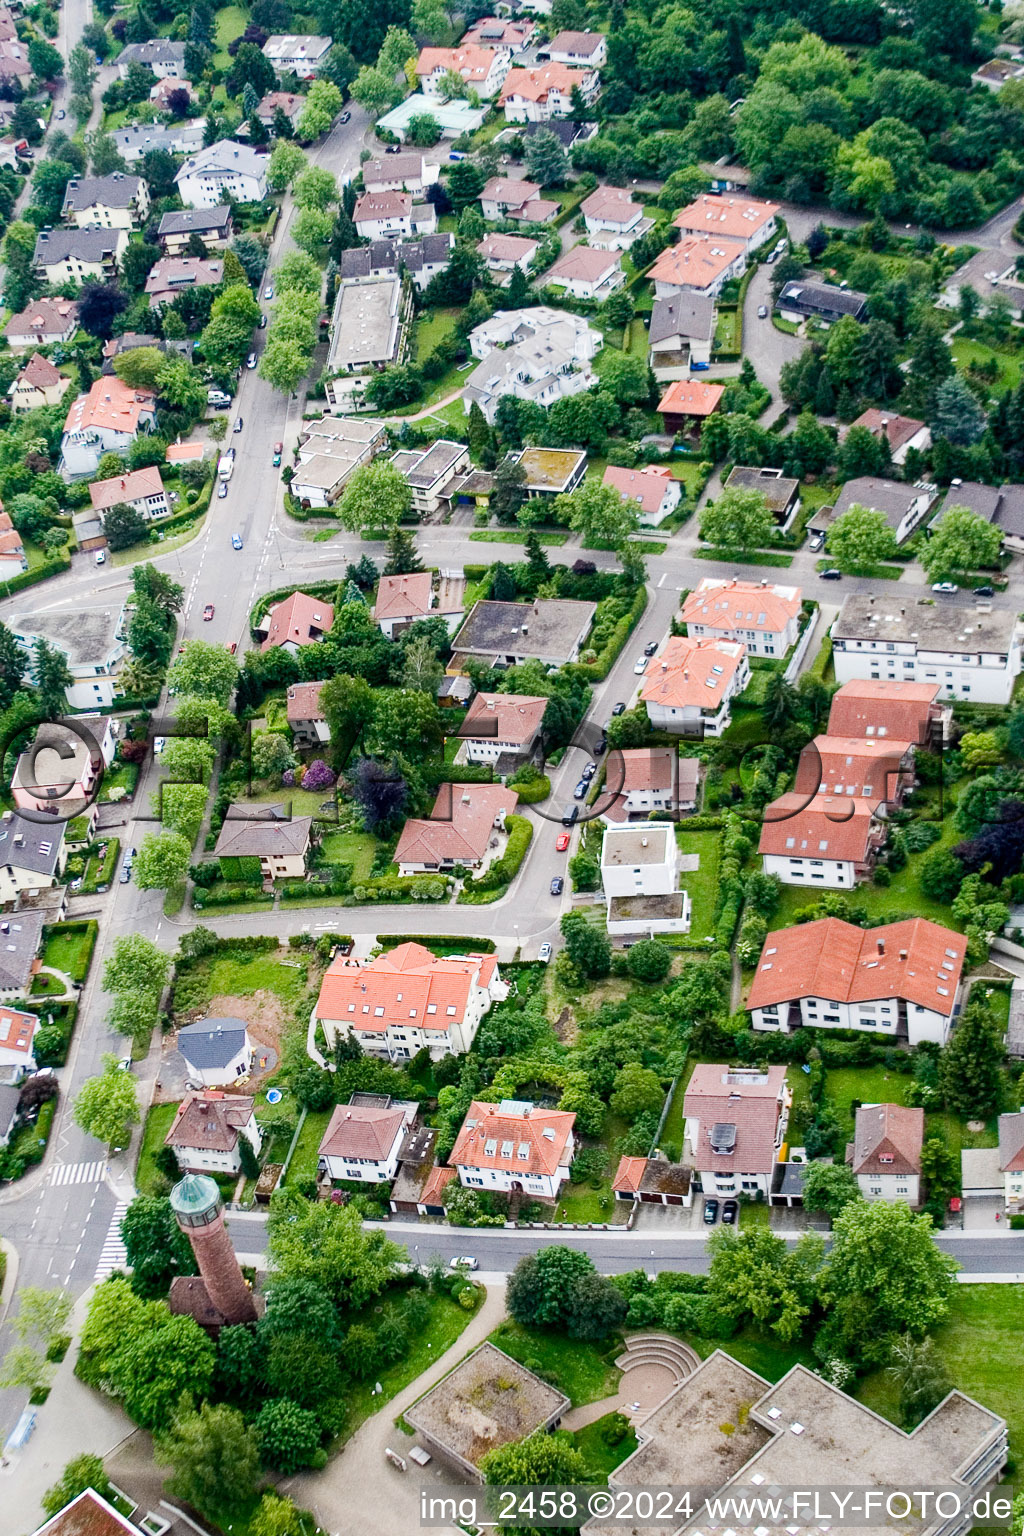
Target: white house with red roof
482, 68
466, 823
306, 719
296, 621
738, 218
515, 1147
140, 489
612, 218
500, 724
39, 383
689, 687
538, 94
1011, 1159
408, 998
901, 433
44, 323
106, 420
640, 781
735, 1125
13, 559
401, 600
207, 1128
882, 710
508, 197
501, 32
382, 215
764, 615
901, 979
502, 253
653, 488
829, 841
17, 1036
581, 50
586, 272
859, 767
885, 1153
362, 1141
698, 264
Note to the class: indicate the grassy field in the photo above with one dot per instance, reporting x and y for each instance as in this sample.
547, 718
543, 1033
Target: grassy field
981, 1344
578, 1202
355, 848
966, 352
760, 1352
447, 1320
70, 950
602, 1459
303, 802
515, 536
702, 883
158, 1123
307, 1148
431, 327
231, 23
580, 1370
242, 975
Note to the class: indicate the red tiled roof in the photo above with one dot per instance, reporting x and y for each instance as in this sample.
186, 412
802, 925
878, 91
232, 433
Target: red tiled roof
645, 486
735, 604
510, 190
535, 84
433, 1189
696, 262
613, 204
585, 44
685, 397
747, 1100
110, 404
737, 217
407, 986
510, 1133
382, 205
826, 827
298, 620
877, 709
692, 672
887, 1139
129, 487
403, 597
17, 1030
629, 1174
209, 1121
919, 962
507, 247
471, 61
359, 1130
514, 717
88, 1515
304, 702
43, 317
183, 453
583, 264
461, 825
858, 766
898, 429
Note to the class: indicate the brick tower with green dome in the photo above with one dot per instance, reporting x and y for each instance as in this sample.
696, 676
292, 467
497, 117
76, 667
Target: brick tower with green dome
219, 1294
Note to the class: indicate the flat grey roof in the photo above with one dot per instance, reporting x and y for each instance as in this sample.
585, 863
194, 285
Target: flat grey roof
929, 626
85, 635
364, 326
778, 490
553, 627
488, 1400
635, 845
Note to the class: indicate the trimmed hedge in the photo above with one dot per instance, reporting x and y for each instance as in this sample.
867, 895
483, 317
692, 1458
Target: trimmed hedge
52, 567
229, 895
531, 790
392, 940
504, 870
819, 665
244, 868
324, 589
597, 671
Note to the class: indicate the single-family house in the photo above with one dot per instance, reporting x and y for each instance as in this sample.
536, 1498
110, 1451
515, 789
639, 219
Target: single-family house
901, 432
970, 655
44, 323
515, 34
540, 354
545, 91
689, 686
506, 197
136, 140
803, 300
687, 402
21, 932
735, 1125
214, 227
362, 1142
503, 253
408, 998
781, 492
412, 170
550, 630
581, 50
106, 420
501, 725
482, 68
117, 201
289, 103
295, 621
216, 1052
586, 272
39, 383
93, 643
140, 489
73, 255
902, 979
648, 781
698, 264
653, 488
903, 506
640, 877
306, 719
885, 710
222, 171
422, 258
429, 472
827, 841
172, 275
208, 1128
461, 829
515, 1147
612, 219
384, 215
166, 58
681, 333
17, 1038
764, 615
168, 91
369, 329
401, 600
280, 842
13, 559
738, 218
303, 56
885, 1153
1011, 1160
550, 471
60, 773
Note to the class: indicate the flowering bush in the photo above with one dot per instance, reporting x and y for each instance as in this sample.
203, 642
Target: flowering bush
288, 778
318, 775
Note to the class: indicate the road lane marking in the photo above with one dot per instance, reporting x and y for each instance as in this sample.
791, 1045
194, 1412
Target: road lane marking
113, 1255
77, 1173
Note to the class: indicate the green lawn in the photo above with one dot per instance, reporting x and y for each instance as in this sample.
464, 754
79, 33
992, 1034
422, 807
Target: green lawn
307, 1148
578, 1202
120, 776
981, 1344
845, 1086
515, 536
158, 1123
303, 802
601, 1458
702, 883
242, 975
431, 327
580, 1370
728, 331
447, 1320
760, 1352
355, 848
231, 23
966, 351
70, 949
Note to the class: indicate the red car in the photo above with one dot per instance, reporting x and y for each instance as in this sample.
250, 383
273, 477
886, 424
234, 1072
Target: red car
562, 842
208, 612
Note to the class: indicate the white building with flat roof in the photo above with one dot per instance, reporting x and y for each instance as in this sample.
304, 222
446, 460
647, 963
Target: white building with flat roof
972, 655
368, 331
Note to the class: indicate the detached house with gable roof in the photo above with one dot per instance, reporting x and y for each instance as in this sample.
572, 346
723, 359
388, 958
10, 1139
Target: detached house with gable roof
106, 420
383, 215
117, 201
73, 255
885, 1153
735, 1124
306, 718
764, 616
901, 980
501, 725
296, 621
221, 171
363, 1141
465, 822
207, 1129
142, 490
44, 323
653, 489
39, 383
688, 689
738, 218
698, 264
612, 218
830, 841
408, 998
280, 842
515, 1147
482, 68
545, 91
506, 197
1011, 1159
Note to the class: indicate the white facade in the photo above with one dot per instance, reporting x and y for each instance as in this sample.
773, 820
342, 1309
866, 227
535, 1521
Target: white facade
544, 1186
466, 62
224, 170
554, 99
203, 1160
830, 874
697, 719
399, 1042
904, 1188
881, 1016
303, 56
978, 676
640, 861
366, 1170
539, 354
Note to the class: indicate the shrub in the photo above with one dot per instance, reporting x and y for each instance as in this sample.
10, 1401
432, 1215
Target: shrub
505, 869
649, 961
318, 775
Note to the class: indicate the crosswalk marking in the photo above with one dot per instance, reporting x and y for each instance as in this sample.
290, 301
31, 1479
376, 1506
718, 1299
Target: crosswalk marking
77, 1173
113, 1255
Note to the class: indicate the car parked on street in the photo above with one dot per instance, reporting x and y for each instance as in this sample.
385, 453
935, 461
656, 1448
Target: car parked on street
561, 842
581, 789
465, 1262
588, 772
278, 450
831, 575
984, 591
239, 424
945, 588
619, 709
250, 362
762, 311
557, 885
650, 647
640, 665
222, 489
236, 541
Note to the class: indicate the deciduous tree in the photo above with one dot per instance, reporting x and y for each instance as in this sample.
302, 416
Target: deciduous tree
860, 537
162, 861
106, 1106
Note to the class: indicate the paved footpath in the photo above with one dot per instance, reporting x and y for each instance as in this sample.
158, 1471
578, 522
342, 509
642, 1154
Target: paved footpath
359, 1490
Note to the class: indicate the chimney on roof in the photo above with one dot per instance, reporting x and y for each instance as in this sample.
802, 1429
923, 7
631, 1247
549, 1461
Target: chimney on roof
881, 946
903, 954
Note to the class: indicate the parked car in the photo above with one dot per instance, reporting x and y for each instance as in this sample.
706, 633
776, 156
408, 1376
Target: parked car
278, 450
222, 489
561, 842
831, 575
557, 885
236, 541
729, 1213
600, 746
159, 742
263, 322
650, 647
208, 612
571, 815
465, 1262
710, 1212
762, 311
239, 424
581, 789
640, 665
588, 772
250, 362
60, 114
544, 954
946, 588
126, 875
619, 709
985, 591
268, 292
346, 117
101, 557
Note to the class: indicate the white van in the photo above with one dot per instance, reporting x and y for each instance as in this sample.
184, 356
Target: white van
217, 397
